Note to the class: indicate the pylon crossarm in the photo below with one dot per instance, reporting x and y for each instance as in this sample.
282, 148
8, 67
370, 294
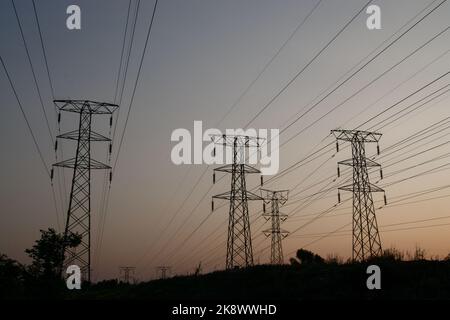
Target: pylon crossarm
236, 140
371, 163
350, 135
369, 188
229, 169
250, 169
226, 168
70, 163
228, 195
367, 163
270, 195
92, 107
348, 187
224, 196
253, 196
282, 232
73, 135
374, 188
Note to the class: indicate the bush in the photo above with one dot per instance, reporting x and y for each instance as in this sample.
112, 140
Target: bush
393, 254
334, 259
306, 257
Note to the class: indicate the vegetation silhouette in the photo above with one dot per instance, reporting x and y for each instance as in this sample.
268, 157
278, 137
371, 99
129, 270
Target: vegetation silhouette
404, 275
42, 278
306, 257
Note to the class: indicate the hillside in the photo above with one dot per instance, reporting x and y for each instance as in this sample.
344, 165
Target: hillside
399, 280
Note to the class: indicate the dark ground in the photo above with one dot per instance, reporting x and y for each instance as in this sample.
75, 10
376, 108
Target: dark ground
400, 280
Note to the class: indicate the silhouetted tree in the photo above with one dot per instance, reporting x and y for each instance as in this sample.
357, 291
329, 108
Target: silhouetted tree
47, 253
306, 257
11, 277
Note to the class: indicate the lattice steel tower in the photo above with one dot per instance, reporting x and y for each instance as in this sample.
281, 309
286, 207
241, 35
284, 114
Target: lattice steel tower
79, 211
239, 243
126, 274
163, 271
366, 238
276, 199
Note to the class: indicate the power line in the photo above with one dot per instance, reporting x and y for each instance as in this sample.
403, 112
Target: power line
247, 89
106, 191
43, 50
390, 184
399, 85
361, 89
39, 96
326, 211
369, 105
136, 82
251, 84
385, 166
202, 221
25, 117
418, 134
307, 65
382, 231
390, 204
390, 146
32, 134
122, 51
359, 69
53, 98
396, 144
291, 211
173, 218
293, 166
410, 28
32, 71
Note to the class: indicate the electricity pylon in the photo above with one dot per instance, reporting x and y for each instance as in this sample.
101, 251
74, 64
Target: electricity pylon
79, 212
276, 199
366, 238
127, 273
239, 242
163, 271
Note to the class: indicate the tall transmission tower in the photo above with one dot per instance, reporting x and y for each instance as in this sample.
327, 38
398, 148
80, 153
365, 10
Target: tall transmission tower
239, 243
79, 210
275, 199
366, 238
163, 271
126, 274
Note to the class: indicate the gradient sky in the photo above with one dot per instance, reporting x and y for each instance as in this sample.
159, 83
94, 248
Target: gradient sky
202, 56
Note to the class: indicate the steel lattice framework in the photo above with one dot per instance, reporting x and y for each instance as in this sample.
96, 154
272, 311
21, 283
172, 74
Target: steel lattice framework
163, 271
79, 211
276, 199
126, 274
366, 238
239, 242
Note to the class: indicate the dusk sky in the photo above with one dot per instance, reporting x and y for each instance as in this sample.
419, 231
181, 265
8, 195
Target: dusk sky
201, 57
